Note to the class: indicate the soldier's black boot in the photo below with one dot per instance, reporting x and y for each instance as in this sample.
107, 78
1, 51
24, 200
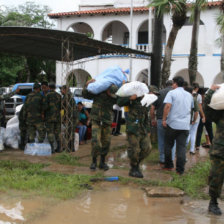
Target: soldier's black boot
93, 164
135, 172
103, 165
140, 175
213, 207
52, 148
58, 149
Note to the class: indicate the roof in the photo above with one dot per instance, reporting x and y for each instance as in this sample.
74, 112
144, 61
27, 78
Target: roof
114, 11
48, 43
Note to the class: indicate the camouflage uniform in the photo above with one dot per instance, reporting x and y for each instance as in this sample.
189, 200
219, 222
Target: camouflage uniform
137, 128
216, 176
22, 127
101, 118
53, 116
34, 109
70, 118
4, 97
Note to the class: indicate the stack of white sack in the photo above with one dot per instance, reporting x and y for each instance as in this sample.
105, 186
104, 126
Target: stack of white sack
131, 88
217, 100
113, 75
148, 99
12, 133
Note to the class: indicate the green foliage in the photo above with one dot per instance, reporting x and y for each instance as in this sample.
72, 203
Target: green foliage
10, 66
220, 22
67, 159
20, 175
194, 180
19, 68
164, 6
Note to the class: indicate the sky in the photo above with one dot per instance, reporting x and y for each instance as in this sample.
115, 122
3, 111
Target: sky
55, 5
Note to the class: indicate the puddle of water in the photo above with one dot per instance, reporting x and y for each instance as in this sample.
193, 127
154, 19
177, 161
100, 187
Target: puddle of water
116, 205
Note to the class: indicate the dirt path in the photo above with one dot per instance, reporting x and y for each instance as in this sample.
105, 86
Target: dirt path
117, 160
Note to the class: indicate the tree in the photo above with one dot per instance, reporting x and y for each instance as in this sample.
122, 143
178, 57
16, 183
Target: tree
156, 58
178, 10
193, 58
30, 15
220, 22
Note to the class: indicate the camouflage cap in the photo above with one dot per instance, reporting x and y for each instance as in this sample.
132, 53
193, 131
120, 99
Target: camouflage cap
154, 89
36, 85
113, 89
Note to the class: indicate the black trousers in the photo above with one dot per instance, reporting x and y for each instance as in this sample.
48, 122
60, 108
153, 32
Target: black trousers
181, 137
208, 126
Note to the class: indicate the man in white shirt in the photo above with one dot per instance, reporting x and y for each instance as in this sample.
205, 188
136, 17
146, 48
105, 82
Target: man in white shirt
176, 120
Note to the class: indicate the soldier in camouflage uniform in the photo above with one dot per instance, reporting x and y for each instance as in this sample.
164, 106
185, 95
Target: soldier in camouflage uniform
101, 117
34, 113
70, 118
53, 117
22, 128
138, 132
216, 176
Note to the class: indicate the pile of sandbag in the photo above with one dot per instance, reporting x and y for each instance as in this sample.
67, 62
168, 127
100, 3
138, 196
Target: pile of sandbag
12, 133
217, 100
137, 88
113, 75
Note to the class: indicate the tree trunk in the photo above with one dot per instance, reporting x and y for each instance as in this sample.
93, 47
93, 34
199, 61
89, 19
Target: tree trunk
222, 58
156, 59
168, 54
193, 58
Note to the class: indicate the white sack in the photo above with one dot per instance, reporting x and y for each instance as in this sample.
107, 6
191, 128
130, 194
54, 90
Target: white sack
131, 88
148, 99
76, 143
2, 133
12, 133
217, 100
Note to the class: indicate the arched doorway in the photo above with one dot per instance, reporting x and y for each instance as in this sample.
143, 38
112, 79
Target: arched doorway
77, 78
218, 79
83, 28
116, 32
184, 73
143, 76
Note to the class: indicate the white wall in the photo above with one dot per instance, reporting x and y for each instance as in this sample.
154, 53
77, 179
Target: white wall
208, 63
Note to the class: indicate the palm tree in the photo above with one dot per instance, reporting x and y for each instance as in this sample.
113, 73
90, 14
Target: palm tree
193, 59
220, 22
178, 10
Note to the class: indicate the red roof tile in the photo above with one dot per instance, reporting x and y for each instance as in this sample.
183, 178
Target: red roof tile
113, 11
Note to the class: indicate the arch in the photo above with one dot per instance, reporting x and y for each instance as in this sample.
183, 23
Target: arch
115, 32
218, 79
77, 77
81, 27
143, 32
184, 73
143, 76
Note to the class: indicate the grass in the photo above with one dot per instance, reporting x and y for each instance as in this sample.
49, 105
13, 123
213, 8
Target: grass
67, 159
28, 177
193, 181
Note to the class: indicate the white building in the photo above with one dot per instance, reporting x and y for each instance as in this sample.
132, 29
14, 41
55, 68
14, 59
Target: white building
109, 20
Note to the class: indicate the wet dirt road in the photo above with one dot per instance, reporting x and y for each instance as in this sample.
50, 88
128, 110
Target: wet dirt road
110, 205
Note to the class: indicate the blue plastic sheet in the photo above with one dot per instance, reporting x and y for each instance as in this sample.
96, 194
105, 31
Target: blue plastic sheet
104, 80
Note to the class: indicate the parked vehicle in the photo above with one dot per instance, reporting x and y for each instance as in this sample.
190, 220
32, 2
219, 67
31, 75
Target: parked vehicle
18, 99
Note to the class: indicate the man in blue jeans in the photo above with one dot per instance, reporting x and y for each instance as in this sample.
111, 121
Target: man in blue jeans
176, 120
157, 108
